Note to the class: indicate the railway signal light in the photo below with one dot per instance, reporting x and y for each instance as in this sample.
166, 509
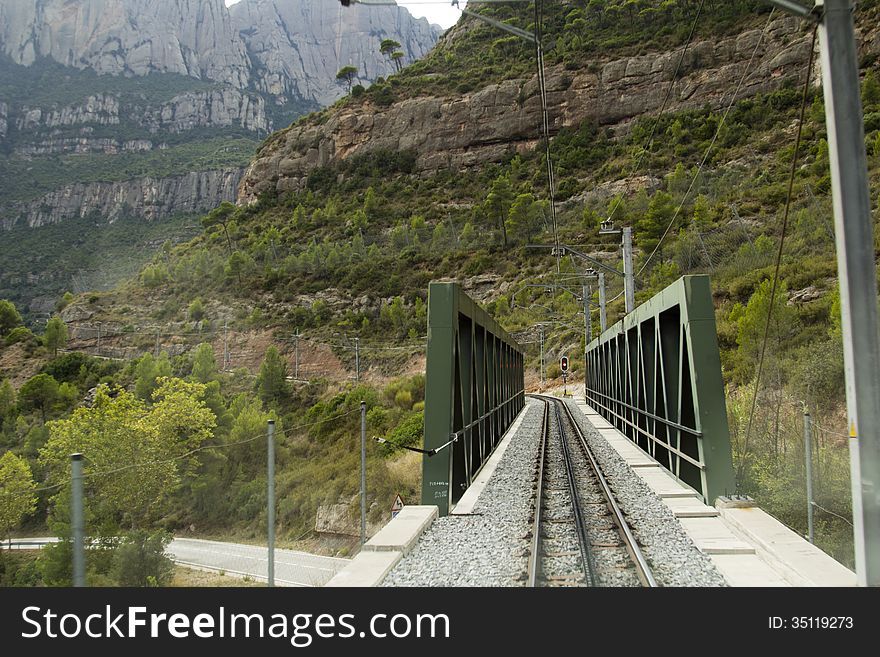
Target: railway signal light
563, 363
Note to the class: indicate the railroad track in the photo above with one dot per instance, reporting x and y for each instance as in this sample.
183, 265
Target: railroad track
580, 536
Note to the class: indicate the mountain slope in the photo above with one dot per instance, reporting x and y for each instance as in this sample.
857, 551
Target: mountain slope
347, 215
123, 109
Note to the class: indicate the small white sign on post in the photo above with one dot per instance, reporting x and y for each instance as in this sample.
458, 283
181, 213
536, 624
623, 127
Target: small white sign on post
397, 506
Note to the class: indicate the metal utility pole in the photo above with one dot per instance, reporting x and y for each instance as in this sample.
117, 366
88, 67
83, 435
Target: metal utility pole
76, 518
808, 452
588, 327
296, 355
857, 274
603, 317
157, 343
225, 345
357, 359
363, 472
270, 510
628, 278
98, 347
541, 329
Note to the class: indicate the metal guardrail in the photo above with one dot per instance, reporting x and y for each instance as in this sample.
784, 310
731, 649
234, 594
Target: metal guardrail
656, 376
474, 389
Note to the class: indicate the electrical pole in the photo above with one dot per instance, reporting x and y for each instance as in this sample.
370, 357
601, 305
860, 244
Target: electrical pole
76, 518
270, 509
857, 275
157, 343
98, 348
603, 317
541, 329
629, 280
225, 345
588, 327
357, 359
363, 472
808, 453
296, 355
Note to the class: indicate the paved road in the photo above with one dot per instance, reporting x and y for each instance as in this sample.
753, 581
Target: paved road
292, 568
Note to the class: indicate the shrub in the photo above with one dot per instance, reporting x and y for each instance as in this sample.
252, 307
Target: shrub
141, 560
20, 334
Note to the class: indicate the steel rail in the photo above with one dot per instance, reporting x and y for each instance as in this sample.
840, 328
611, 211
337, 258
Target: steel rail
587, 560
588, 563
535, 555
643, 569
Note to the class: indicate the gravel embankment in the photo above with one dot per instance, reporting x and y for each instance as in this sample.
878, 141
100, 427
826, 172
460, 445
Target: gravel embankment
674, 558
488, 548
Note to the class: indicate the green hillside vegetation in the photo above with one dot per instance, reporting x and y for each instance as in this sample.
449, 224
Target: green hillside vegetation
30, 178
372, 226
72, 256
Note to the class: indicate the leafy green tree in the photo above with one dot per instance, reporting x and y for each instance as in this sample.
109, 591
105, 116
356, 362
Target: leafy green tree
221, 216
55, 337
204, 364
389, 48
272, 379
9, 317
751, 322
397, 57
525, 217
651, 227
147, 373
702, 212
498, 203
870, 90
196, 310
359, 221
17, 497
235, 264
7, 401
371, 204
38, 393
347, 74
149, 450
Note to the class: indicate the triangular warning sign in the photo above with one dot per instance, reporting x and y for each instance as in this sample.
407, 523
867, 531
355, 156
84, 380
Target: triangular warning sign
398, 504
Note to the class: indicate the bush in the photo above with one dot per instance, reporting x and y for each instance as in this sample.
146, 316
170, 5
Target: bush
140, 560
20, 334
408, 433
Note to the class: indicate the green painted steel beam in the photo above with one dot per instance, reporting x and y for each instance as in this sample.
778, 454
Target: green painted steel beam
656, 376
474, 388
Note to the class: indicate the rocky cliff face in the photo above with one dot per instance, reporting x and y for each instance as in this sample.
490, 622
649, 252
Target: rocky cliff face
133, 37
53, 130
297, 46
289, 50
471, 129
150, 198
269, 60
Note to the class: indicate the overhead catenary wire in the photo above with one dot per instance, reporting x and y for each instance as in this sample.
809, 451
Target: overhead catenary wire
746, 74
650, 140
779, 251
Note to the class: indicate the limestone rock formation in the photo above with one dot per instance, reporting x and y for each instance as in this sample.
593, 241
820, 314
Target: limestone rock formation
151, 198
297, 46
132, 37
485, 125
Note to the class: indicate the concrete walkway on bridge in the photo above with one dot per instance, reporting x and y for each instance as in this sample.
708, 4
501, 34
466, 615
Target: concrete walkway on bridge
747, 545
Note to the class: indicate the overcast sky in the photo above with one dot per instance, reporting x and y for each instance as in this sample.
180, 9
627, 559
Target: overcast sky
442, 13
